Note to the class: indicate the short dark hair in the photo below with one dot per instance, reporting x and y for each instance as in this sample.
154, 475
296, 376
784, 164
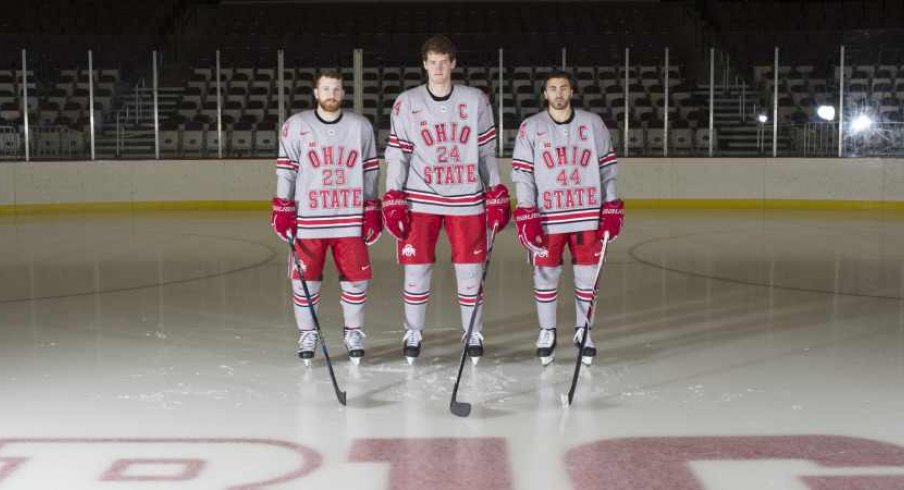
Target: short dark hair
558, 74
335, 75
438, 44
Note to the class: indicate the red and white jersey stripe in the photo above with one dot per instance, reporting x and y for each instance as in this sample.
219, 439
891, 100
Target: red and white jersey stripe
329, 222
429, 198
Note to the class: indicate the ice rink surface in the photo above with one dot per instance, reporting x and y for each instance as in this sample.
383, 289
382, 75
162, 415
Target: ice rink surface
737, 350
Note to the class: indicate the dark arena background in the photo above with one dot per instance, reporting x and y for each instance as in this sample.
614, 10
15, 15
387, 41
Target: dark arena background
750, 315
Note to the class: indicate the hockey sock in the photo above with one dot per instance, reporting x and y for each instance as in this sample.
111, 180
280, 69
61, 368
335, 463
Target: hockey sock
467, 277
546, 294
303, 318
352, 299
416, 294
583, 292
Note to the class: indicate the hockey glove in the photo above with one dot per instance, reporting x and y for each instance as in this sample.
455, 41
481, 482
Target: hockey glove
499, 211
530, 233
372, 227
283, 218
396, 216
611, 218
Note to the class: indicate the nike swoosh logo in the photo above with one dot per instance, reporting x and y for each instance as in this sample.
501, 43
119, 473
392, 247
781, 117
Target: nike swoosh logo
477, 252
541, 133
365, 267
305, 132
417, 111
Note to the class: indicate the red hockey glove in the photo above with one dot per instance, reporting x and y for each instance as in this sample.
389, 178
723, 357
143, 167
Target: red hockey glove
530, 233
372, 227
499, 211
611, 218
396, 216
283, 218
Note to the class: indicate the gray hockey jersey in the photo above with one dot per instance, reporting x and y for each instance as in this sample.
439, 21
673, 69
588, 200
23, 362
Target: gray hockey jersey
329, 169
567, 170
441, 150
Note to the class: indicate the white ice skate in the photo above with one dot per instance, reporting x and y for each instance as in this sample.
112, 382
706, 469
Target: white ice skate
307, 343
546, 345
411, 343
354, 343
475, 347
589, 351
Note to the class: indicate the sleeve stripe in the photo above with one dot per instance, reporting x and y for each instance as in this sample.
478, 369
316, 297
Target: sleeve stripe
609, 159
396, 142
487, 136
286, 164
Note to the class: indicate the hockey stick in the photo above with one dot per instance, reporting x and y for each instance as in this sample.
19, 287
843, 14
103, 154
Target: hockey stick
596, 287
307, 294
463, 409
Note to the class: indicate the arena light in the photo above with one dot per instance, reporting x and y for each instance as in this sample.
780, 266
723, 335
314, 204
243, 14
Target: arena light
826, 112
762, 118
861, 123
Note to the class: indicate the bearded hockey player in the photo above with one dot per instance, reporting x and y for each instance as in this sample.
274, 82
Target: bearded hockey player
564, 169
326, 199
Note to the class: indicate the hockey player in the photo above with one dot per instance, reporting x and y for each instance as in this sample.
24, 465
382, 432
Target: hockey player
326, 198
441, 173
564, 169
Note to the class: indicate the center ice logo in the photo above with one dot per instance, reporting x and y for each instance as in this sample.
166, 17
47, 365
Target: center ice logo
408, 250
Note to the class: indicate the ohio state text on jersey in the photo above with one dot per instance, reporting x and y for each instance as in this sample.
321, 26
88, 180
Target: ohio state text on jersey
329, 169
441, 150
567, 170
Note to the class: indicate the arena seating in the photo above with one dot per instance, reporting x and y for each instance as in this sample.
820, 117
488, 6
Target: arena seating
532, 35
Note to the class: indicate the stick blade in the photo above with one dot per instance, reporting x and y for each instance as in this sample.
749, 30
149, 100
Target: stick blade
460, 409
340, 395
565, 400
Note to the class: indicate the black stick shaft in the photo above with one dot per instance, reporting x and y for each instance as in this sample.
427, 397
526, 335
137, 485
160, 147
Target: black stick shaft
457, 408
590, 309
340, 395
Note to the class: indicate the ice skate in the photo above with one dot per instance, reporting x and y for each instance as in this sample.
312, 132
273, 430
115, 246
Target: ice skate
354, 343
546, 345
411, 345
475, 347
589, 351
307, 343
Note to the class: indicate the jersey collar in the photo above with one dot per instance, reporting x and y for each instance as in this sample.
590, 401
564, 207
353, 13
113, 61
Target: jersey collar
324, 121
440, 99
567, 121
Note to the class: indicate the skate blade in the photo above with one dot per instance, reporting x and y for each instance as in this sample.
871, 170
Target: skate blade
475, 360
586, 360
410, 360
546, 361
307, 362
355, 360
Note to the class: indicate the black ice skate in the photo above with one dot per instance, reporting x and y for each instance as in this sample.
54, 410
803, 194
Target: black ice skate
475, 347
307, 344
354, 343
411, 345
589, 351
546, 345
